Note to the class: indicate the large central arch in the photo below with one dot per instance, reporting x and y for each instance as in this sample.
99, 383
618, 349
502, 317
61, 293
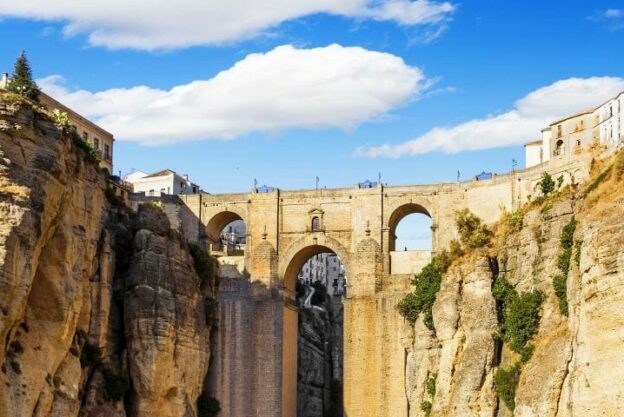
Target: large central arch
398, 214
290, 264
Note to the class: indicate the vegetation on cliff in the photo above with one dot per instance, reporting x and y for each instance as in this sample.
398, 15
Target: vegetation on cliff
21, 82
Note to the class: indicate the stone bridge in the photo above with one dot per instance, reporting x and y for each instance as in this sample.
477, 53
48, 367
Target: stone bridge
254, 370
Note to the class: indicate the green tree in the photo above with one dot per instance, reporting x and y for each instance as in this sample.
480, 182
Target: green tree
21, 82
547, 184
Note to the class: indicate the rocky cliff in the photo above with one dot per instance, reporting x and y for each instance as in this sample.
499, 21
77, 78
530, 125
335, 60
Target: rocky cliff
102, 312
531, 325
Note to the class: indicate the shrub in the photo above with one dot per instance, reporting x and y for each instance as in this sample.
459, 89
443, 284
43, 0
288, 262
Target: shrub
431, 385
515, 220
567, 235
547, 185
427, 285
563, 263
21, 81
472, 232
455, 250
204, 263
207, 406
577, 254
426, 407
506, 382
561, 290
521, 319
115, 386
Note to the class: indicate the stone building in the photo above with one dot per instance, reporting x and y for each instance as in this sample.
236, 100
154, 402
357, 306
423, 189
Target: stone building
101, 140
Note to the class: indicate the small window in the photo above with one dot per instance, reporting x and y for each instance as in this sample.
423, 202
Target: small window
107, 152
559, 132
578, 142
85, 136
559, 150
96, 144
316, 224
162, 191
151, 193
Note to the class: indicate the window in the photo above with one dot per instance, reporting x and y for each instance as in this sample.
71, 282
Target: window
162, 191
559, 131
316, 224
96, 144
151, 193
107, 152
578, 142
559, 148
85, 136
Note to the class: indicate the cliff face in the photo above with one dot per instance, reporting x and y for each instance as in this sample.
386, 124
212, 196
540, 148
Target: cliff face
575, 367
101, 310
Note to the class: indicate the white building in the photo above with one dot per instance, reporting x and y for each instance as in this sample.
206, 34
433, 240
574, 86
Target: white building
161, 182
609, 117
327, 269
570, 136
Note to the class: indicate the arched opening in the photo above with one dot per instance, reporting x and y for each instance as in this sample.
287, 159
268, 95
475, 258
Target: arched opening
318, 277
227, 234
559, 149
316, 224
411, 239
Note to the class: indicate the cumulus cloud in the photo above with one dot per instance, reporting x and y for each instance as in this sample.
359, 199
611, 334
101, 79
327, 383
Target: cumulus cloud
515, 127
287, 87
154, 24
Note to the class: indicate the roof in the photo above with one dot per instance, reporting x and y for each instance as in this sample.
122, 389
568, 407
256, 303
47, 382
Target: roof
535, 142
162, 173
588, 111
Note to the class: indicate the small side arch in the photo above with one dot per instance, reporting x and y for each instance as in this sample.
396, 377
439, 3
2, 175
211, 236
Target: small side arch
398, 214
218, 222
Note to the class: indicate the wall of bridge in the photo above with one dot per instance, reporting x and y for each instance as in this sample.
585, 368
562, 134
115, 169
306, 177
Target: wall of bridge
255, 346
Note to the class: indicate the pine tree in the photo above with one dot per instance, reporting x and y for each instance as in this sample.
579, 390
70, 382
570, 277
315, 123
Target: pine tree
21, 82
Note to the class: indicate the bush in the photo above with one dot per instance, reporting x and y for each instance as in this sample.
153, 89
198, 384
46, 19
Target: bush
426, 407
506, 382
515, 220
115, 386
431, 385
204, 263
472, 232
520, 315
207, 406
561, 290
547, 185
567, 235
427, 284
521, 319
563, 263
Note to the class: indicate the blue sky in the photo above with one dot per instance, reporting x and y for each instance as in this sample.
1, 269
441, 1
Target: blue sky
450, 64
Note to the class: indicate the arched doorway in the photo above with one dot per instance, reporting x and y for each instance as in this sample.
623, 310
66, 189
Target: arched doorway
313, 333
227, 234
411, 238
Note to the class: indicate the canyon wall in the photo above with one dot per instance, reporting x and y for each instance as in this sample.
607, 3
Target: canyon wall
575, 366
101, 310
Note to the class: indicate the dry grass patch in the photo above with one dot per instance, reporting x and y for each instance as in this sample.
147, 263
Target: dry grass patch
14, 190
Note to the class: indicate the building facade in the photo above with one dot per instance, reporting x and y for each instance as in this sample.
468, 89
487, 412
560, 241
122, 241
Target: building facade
327, 269
101, 140
161, 182
565, 139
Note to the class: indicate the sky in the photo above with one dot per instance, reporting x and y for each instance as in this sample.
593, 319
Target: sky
283, 91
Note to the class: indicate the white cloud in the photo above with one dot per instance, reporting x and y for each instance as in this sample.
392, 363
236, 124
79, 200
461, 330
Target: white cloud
515, 127
613, 13
612, 18
327, 87
155, 24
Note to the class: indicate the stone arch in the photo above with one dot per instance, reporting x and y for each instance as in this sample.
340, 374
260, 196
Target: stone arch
399, 213
302, 250
218, 221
